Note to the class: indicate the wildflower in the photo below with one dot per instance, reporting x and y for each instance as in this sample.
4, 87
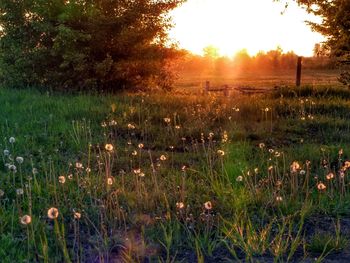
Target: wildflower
261, 145
52, 213
279, 198
183, 168
270, 168
256, 170
34, 171
110, 180
140, 145
2, 193
277, 154
180, 205
6, 152
88, 170
103, 124
221, 152
294, 167
109, 147
77, 215
267, 109
19, 191
26, 220
330, 176
134, 153
79, 165
162, 157
321, 186
208, 205
70, 176
177, 127
302, 172
167, 120
12, 140
341, 152
239, 178
61, 179
19, 159
142, 174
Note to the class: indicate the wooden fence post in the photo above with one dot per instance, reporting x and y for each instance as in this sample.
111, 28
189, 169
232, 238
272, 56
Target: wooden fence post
298, 79
226, 90
207, 86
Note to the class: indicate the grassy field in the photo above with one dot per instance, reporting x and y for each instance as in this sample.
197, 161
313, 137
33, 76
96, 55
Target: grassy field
175, 178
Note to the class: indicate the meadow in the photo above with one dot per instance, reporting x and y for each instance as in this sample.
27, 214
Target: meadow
175, 177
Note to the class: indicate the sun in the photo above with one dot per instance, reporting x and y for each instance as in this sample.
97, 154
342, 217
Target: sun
233, 25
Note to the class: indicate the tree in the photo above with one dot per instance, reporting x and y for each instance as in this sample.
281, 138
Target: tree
85, 44
335, 25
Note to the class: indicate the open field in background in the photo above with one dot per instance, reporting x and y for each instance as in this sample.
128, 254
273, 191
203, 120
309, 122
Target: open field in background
169, 177
256, 79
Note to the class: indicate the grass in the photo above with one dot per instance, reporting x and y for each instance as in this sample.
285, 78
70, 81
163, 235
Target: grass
174, 177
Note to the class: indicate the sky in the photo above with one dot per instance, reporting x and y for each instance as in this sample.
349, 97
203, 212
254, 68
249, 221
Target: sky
233, 25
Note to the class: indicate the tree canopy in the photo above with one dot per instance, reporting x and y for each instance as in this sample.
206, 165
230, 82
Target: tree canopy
335, 25
85, 44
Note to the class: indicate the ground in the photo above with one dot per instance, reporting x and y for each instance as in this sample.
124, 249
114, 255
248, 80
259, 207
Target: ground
176, 177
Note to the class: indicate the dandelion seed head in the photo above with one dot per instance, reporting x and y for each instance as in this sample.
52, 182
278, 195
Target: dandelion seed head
239, 178
19, 191
294, 167
26, 220
261, 145
279, 199
180, 205
140, 145
6, 152
52, 213
61, 179
162, 157
79, 165
208, 205
12, 140
131, 126
110, 180
321, 186
330, 176
220, 152
77, 215
109, 147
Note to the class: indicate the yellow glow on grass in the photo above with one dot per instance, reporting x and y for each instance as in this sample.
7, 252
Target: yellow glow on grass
232, 25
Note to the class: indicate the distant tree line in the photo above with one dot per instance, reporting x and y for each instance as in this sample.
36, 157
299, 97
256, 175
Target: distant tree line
264, 62
85, 44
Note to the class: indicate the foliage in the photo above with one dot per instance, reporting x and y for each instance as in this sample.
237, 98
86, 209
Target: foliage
85, 44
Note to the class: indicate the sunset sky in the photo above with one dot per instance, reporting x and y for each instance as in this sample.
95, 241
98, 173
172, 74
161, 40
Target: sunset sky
232, 25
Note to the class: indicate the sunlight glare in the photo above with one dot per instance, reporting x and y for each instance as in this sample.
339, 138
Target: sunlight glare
232, 25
